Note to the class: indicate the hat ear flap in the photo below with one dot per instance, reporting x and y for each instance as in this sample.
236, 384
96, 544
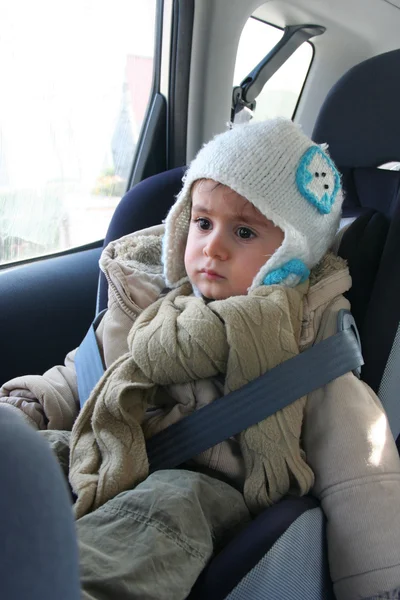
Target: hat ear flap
174, 242
290, 274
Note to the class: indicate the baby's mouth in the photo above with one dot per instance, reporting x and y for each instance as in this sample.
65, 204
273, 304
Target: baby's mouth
211, 274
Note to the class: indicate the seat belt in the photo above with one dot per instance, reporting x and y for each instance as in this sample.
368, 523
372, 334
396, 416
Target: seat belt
89, 364
229, 415
252, 403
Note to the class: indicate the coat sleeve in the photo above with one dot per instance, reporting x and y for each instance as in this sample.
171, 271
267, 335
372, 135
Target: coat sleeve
350, 447
48, 401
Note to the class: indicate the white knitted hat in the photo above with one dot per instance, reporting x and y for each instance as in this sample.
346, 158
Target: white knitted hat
291, 181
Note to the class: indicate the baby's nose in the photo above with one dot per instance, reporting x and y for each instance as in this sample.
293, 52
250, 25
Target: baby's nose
216, 246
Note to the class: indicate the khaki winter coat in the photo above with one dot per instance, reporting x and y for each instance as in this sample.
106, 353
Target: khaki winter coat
346, 437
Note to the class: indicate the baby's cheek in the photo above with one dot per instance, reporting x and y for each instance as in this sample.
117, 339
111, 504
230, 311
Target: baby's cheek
187, 264
187, 257
244, 280
189, 260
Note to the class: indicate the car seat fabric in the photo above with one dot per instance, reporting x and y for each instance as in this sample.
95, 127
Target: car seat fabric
295, 566
146, 204
389, 388
362, 245
359, 122
369, 187
360, 116
39, 558
255, 564
371, 245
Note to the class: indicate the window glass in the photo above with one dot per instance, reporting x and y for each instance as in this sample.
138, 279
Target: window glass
281, 93
76, 79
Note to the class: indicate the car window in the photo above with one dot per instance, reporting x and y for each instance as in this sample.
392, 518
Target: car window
76, 78
281, 93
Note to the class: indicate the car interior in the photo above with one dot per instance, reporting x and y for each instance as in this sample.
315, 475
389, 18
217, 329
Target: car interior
349, 100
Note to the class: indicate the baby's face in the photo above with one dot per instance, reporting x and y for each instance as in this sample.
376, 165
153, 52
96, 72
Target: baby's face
229, 241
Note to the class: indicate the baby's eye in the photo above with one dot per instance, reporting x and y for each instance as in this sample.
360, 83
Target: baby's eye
245, 233
203, 224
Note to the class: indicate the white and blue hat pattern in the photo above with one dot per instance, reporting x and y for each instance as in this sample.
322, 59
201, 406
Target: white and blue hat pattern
318, 187
291, 180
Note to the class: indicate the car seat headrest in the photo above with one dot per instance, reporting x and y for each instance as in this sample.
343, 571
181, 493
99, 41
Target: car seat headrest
360, 116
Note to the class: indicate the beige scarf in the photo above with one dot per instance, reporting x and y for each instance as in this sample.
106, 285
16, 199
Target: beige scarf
178, 339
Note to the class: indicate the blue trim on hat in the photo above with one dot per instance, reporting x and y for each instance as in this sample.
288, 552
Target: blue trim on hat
292, 267
304, 177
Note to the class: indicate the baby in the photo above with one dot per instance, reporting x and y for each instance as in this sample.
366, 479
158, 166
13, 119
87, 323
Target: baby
251, 284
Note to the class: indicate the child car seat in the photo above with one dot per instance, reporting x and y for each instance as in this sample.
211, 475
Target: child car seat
281, 554
360, 122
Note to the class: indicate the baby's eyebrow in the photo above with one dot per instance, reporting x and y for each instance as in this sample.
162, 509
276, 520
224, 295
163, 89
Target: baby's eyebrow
252, 219
249, 219
202, 209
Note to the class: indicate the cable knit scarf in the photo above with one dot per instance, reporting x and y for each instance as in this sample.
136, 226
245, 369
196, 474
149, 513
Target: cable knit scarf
178, 339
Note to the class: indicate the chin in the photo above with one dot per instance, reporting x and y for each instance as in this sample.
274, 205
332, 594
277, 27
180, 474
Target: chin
214, 294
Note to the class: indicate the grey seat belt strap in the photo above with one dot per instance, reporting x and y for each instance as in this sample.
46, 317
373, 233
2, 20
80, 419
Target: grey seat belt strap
231, 414
88, 362
254, 402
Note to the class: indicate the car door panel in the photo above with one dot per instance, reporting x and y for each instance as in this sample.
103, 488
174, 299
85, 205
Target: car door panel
45, 310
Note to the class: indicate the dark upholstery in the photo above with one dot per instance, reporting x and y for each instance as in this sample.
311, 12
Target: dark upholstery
372, 247
360, 116
231, 565
145, 205
381, 304
360, 122
369, 187
362, 246
54, 296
